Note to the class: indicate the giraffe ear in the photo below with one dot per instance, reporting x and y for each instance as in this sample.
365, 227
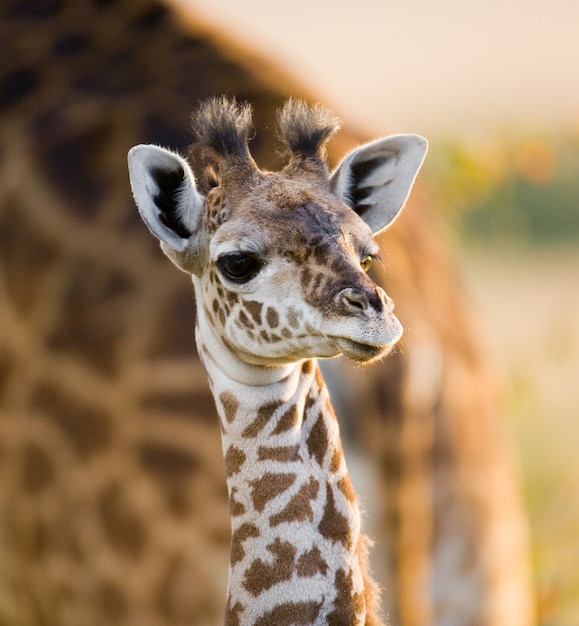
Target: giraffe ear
375, 179
168, 201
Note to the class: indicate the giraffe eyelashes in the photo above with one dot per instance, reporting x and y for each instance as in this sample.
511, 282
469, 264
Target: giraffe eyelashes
239, 267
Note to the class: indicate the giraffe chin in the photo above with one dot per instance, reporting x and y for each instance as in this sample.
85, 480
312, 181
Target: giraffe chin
362, 352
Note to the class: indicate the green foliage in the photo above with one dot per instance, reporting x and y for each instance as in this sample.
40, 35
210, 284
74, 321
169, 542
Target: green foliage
525, 190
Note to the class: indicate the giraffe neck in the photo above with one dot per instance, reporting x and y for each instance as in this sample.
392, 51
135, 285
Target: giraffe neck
295, 550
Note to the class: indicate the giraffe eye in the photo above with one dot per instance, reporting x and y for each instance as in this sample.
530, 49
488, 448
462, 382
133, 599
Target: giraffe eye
366, 262
239, 267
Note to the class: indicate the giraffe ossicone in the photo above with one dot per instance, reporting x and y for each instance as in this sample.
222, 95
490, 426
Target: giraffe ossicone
278, 264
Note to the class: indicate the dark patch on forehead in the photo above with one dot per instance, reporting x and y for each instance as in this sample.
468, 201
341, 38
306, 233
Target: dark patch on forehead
322, 252
318, 219
311, 231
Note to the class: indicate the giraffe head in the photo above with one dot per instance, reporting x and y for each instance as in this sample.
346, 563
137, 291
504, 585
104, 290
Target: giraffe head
279, 259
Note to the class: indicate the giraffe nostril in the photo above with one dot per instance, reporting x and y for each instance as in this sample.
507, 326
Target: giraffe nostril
352, 301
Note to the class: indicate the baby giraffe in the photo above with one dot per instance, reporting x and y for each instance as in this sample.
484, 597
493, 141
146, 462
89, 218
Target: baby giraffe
278, 262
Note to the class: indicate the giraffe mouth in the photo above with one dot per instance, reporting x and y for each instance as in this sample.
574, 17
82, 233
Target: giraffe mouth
362, 352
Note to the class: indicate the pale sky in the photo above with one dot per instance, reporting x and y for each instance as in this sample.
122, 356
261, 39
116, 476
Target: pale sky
422, 66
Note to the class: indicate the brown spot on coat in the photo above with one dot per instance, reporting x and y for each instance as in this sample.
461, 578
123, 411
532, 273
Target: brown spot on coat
287, 421
234, 459
208, 313
317, 440
230, 405
284, 454
88, 429
231, 297
254, 308
272, 317
268, 487
299, 508
245, 531
293, 317
264, 414
232, 613
235, 508
310, 563
291, 614
113, 603
245, 321
336, 460
37, 470
346, 487
333, 525
348, 604
261, 576
122, 526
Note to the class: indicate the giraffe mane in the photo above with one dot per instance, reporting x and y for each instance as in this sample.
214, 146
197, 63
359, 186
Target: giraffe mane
305, 128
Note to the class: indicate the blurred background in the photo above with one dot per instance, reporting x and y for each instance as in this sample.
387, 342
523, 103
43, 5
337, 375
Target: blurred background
112, 502
494, 86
